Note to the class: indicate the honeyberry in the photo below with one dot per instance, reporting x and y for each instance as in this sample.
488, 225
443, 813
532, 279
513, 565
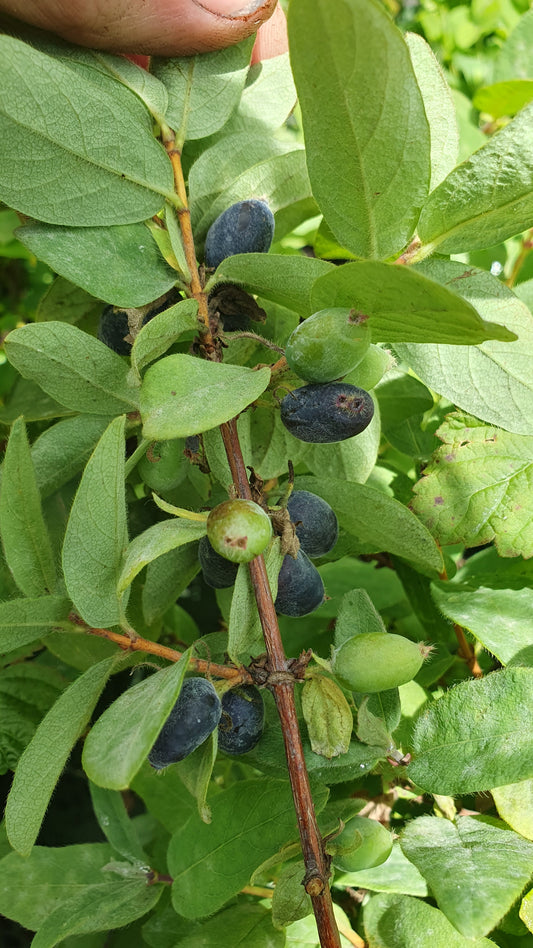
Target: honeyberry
355, 853
239, 530
324, 414
245, 227
194, 716
377, 661
163, 466
328, 344
243, 716
317, 527
115, 326
300, 587
218, 572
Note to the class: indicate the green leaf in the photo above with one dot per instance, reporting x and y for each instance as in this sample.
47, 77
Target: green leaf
268, 97
96, 534
71, 142
97, 909
196, 771
514, 59
402, 403
468, 869
28, 399
439, 108
364, 122
241, 165
251, 820
62, 450
239, 926
31, 887
182, 395
476, 487
203, 90
290, 900
119, 742
476, 736
371, 728
272, 444
24, 620
121, 265
399, 921
213, 444
166, 579
157, 540
526, 910
282, 279
245, 633
162, 331
504, 98
148, 89
116, 825
474, 379
304, 934
165, 796
328, 717
409, 307
487, 198
68, 301
514, 804
378, 521
40, 766
77, 369
25, 539
27, 692
474, 608
396, 874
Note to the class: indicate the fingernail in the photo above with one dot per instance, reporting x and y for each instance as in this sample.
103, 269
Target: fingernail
233, 8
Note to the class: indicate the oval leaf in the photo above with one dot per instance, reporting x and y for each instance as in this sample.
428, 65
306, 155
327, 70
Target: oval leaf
182, 395
154, 542
96, 534
477, 736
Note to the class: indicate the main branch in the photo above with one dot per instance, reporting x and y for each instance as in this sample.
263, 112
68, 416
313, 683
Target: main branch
281, 681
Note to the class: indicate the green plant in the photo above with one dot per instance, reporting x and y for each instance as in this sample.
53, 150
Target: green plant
117, 175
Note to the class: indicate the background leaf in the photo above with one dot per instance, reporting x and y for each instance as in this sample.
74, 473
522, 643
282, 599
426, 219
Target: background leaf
96, 535
27, 692
487, 198
283, 279
182, 395
476, 736
364, 122
24, 620
71, 140
162, 331
475, 378
45, 756
251, 820
245, 634
154, 542
121, 265
110, 811
514, 803
476, 488
467, 867
398, 921
25, 539
72, 366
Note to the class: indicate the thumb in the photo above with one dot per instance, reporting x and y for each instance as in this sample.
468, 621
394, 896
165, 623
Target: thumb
160, 27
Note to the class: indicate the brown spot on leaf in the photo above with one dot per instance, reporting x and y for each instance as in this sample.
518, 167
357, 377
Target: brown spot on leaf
438, 501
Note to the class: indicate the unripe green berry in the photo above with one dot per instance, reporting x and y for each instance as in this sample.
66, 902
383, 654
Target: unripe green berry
239, 530
362, 844
377, 661
328, 344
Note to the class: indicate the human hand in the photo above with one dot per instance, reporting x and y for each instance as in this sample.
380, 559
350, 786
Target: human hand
162, 27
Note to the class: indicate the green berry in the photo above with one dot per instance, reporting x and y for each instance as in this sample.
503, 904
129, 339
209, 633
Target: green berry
377, 661
328, 344
362, 844
163, 467
239, 530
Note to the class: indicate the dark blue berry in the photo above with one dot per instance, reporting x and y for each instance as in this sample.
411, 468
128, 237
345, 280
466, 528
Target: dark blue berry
192, 719
245, 227
324, 414
300, 587
114, 328
217, 571
242, 721
317, 527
